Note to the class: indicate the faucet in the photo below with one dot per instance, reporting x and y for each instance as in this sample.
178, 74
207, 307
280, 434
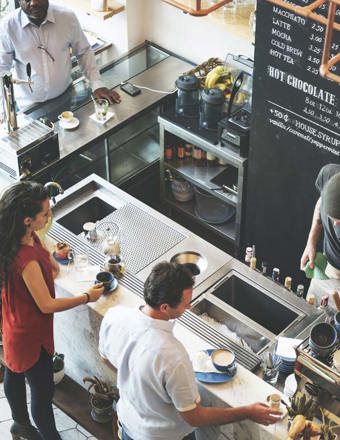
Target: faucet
54, 189
9, 105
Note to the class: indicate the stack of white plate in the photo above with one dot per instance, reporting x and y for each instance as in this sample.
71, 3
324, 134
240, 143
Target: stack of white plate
290, 386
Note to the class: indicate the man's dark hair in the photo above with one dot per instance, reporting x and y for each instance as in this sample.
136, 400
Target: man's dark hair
166, 283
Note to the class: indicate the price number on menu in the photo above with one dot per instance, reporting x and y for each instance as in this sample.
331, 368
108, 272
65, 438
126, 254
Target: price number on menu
313, 70
317, 27
316, 38
313, 60
314, 49
279, 114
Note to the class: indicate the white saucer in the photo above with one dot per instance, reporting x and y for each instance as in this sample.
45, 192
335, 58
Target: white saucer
73, 123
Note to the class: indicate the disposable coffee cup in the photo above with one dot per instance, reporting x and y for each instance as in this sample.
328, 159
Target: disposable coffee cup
105, 278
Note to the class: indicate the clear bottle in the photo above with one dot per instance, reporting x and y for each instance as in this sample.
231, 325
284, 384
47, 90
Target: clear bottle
300, 290
264, 267
310, 298
325, 308
276, 274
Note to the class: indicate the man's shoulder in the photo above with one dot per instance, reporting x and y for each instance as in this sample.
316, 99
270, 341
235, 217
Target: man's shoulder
326, 172
11, 19
62, 12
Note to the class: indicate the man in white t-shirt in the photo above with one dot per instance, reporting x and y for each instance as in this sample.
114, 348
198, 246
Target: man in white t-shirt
159, 398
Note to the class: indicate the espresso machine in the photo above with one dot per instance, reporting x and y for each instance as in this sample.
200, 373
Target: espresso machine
27, 146
319, 378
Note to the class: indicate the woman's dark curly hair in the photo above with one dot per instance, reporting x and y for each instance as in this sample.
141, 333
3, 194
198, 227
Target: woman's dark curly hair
21, 200
166, 283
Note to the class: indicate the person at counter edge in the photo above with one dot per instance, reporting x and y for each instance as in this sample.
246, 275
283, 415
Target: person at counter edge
27, 273
159, 397
42, 34
326, 218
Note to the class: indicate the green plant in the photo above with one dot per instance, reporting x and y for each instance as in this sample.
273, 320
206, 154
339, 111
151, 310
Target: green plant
102, 395
301, 404
58, 362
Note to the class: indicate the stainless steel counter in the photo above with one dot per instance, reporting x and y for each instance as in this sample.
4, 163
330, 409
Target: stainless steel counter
161, 76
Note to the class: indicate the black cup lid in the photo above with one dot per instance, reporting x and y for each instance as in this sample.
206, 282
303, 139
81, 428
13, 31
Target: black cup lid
213, 96
187, 82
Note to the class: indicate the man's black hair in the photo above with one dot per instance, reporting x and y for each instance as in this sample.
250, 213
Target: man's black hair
166, 283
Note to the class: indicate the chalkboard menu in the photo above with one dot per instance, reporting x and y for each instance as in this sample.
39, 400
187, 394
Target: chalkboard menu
295, 131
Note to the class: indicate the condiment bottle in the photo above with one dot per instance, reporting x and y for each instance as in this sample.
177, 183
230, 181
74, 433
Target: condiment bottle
180, 152
248, 255
197, 155
288, 283
188, 151
310, 299
336, 300
264, 266
169, 153
300, 290
253, 263
324, 307
203, 158
211, 159
276, 274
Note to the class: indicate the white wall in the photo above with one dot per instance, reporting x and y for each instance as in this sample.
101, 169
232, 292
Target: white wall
196, 38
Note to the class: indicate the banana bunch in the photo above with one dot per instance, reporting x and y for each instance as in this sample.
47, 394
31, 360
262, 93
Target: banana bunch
219, 77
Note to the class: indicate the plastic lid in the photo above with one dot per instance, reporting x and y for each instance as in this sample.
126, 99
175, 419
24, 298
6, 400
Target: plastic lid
213, 96
187, 82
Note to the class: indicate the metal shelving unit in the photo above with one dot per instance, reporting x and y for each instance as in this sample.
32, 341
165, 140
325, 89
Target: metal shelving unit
203, 177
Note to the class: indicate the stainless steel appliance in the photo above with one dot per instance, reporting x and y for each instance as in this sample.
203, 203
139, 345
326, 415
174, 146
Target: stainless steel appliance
234, 129
320, 378
28, 149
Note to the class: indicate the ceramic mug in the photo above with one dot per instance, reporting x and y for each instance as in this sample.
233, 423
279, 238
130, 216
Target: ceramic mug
105, 278
65, 117
224, 360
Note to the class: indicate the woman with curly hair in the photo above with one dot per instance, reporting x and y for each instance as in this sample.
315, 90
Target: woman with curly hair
27, 273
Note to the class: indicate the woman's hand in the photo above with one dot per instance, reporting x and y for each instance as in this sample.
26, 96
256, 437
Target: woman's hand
95, 292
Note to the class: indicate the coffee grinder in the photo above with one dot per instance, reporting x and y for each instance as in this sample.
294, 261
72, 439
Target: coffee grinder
187, 101
211, 108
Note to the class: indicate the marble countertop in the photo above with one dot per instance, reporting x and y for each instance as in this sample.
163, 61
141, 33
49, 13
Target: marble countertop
246, 387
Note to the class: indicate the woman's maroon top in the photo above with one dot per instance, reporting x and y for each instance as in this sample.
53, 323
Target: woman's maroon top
25, 328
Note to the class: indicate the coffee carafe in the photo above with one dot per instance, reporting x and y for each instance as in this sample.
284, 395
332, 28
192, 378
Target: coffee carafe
211, 108
187, 102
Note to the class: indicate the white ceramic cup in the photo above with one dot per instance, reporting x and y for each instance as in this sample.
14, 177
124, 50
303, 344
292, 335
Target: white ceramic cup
66, 117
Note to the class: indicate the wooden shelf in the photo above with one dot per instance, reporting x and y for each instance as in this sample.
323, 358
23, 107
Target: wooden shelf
114, 8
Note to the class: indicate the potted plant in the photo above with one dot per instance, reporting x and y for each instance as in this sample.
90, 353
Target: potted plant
102, 396
58, 368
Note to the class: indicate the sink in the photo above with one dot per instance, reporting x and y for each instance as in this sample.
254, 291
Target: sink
91, 211
255, 303
225, 322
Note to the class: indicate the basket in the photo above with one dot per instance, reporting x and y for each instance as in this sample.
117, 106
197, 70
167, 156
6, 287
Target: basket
211, 209
202, 70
